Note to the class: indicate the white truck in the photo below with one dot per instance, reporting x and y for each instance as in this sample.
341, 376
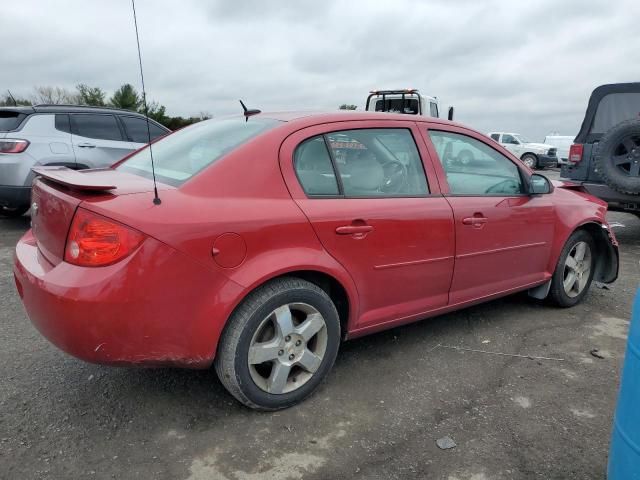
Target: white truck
408, 101
533, 155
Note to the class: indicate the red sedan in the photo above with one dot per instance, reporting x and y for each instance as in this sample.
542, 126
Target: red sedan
278, 236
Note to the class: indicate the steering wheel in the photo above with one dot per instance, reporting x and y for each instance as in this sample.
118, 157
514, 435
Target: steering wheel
507, 186
395, 177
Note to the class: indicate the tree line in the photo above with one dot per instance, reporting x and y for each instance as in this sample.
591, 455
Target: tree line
125, 97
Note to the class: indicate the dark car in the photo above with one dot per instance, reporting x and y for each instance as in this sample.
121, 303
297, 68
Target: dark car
605, 156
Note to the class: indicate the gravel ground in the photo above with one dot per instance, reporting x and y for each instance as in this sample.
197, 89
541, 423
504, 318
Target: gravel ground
378, 416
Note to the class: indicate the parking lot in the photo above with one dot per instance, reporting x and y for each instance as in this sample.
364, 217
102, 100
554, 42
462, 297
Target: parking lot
544, 410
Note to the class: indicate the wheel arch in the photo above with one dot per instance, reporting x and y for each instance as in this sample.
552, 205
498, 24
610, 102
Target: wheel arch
339, 288
606, 257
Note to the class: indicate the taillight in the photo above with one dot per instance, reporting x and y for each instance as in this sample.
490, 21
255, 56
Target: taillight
96, 241
575, 153
13, 145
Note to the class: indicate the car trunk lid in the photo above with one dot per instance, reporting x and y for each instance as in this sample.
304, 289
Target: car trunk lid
58, 191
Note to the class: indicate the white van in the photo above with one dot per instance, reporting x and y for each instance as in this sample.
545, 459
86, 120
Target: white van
562, 143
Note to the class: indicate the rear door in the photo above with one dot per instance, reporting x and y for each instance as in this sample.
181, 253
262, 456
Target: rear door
364, 189
503, 235
98, 139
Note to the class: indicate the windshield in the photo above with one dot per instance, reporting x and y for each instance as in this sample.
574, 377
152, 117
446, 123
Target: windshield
522, 139
186, 152
397, 105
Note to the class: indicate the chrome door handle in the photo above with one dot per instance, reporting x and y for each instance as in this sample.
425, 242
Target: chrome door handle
86, 145
475, 221
353, 229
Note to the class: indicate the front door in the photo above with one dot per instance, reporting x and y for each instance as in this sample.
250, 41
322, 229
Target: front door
503, 235
364, 189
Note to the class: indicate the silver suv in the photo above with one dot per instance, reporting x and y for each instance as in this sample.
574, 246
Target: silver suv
75, 136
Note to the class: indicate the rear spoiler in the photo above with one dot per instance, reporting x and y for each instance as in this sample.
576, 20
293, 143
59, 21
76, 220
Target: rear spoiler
74, 179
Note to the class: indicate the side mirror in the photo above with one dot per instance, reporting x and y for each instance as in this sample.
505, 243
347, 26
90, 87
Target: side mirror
450, 114
539, 184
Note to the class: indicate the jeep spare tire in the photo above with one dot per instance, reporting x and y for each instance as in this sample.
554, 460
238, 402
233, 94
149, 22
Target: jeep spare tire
617, 157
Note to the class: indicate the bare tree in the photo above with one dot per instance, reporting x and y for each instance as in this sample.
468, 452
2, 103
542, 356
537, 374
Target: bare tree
53, 95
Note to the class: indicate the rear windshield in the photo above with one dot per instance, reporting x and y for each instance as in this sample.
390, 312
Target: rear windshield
10, 120
181, 155
615, 108
397, 105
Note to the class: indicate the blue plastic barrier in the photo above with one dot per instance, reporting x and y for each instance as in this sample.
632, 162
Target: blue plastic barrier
624, 456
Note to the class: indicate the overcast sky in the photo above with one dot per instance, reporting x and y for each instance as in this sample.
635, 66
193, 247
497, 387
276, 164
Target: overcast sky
504, 65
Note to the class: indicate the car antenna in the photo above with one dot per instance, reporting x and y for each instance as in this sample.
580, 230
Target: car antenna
156, 198
15, 104
247, 112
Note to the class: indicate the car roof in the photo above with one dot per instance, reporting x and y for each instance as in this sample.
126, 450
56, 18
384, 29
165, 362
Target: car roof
47, 108
317, 117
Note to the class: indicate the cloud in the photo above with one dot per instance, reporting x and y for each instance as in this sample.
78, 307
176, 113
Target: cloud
513, 66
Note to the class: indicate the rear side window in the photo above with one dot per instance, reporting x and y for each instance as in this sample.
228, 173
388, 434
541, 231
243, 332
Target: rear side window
136, 129
314, 169
377, 162
62, 123
614, 109
184, 153
101, 127
10, 120
495, 136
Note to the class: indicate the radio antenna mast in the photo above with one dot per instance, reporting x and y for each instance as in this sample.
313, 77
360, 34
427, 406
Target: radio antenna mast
156, 198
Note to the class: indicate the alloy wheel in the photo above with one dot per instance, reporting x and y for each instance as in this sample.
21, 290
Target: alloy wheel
577, 269
626, 156
287, 348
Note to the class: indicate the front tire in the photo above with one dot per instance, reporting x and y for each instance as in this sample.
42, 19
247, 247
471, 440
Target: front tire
574, 272
530, 160
279, 344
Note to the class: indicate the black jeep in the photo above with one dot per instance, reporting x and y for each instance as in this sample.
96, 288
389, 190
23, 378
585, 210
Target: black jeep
605, 156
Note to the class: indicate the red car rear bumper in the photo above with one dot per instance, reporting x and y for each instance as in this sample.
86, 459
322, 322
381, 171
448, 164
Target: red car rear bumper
156, 307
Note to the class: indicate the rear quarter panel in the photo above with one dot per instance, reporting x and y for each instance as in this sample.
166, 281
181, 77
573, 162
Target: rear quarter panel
242, 194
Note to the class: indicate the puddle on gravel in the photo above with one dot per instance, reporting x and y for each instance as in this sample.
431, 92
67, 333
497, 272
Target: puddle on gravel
524, 402
582, 413
611, 327
289, 466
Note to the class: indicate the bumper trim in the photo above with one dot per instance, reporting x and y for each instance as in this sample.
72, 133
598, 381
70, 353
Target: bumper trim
14, 197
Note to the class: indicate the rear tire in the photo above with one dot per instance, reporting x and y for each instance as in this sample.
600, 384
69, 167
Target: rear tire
279, 344
574, 272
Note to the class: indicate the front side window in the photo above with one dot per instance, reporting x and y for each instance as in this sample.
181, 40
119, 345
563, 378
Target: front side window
474, 168
101, 127
136, 129
184, 153
509, 139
